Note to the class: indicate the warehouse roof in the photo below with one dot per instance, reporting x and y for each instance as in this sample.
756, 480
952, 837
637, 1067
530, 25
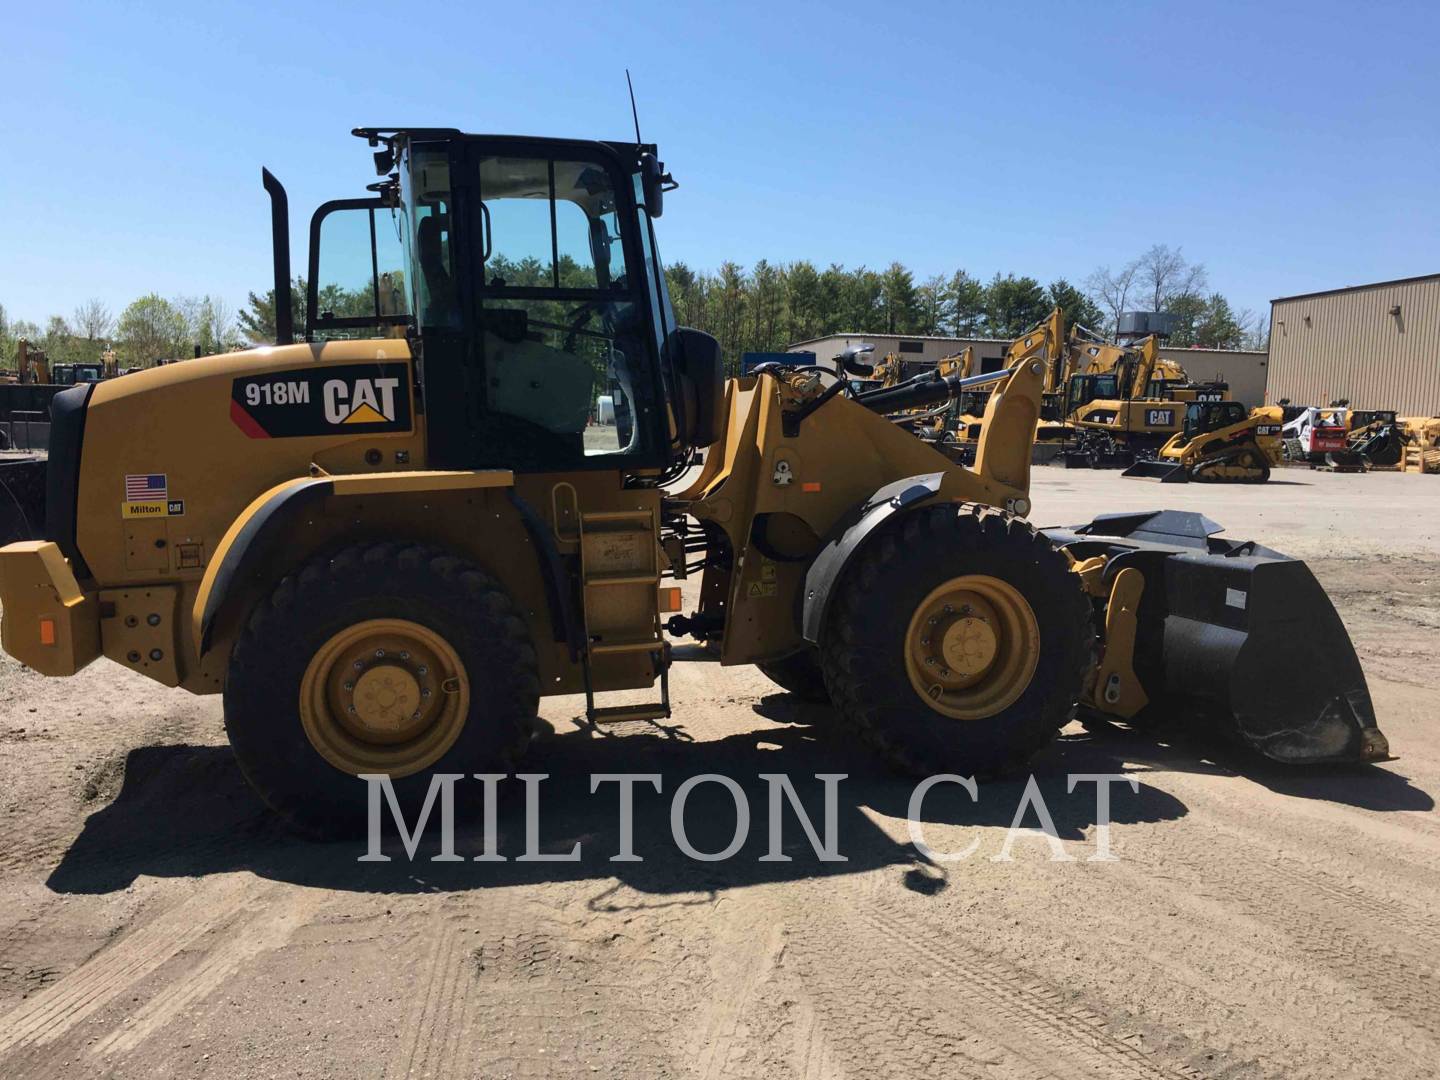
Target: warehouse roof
907, 337
1357, 288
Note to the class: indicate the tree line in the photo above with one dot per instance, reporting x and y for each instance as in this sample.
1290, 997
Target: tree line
764, 308
150, 328
771, 306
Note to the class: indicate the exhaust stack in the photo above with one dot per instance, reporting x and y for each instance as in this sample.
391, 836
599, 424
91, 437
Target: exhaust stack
280, 244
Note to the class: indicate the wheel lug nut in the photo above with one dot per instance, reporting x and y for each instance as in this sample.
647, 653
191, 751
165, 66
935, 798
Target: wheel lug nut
423, 670
349, 686
379, 654
425, 692
948, 609
404, 655
351, 710
358, 665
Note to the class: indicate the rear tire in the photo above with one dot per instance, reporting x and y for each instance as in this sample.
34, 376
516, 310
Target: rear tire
800, 674
302, 754
869, 663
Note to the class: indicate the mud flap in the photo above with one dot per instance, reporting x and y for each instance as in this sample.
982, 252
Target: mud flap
1243, 629
1167, 472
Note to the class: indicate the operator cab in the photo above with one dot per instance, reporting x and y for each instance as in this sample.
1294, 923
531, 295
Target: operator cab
524, 273
1202, 417
1084, 389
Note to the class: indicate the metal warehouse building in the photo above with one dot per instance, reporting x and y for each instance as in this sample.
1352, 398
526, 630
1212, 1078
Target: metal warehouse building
1243, 369
1376, 345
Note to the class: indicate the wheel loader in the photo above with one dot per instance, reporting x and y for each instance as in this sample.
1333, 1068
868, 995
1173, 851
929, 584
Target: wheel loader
1219, 442
382, 544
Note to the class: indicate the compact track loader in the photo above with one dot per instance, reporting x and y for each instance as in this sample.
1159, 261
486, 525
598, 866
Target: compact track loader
1218, 443
385, 543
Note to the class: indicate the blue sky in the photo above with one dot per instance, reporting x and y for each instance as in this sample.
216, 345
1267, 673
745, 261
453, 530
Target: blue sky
1288, 147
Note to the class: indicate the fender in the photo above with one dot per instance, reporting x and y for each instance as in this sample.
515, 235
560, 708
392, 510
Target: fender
257, 539
849, 535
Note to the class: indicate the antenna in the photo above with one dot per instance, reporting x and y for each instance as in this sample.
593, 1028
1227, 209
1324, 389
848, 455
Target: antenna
633, 111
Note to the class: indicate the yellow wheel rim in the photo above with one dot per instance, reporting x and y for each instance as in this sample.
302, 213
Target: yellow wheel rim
972, 647
384, 696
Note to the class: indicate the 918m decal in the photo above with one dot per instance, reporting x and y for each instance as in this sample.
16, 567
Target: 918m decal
359, 398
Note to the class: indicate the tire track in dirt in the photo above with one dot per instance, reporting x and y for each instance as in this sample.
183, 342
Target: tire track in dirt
269, 924
1410, 838
1338, 930
1023, 1003
521, 986
430, 1034
574, 1004
945, 1012
744, 955
49, 1015
25, 965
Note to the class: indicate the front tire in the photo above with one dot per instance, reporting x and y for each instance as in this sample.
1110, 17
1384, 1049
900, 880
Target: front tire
960, 642
397, 659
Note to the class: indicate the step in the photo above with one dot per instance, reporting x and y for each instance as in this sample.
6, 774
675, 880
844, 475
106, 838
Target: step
622, 578
615, 714
602, 648
612, 517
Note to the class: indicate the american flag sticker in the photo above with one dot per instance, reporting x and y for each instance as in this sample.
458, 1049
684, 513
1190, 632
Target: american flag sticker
145, 487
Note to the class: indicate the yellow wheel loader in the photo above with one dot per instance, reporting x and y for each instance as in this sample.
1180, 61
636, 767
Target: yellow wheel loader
1218, 443
384, 543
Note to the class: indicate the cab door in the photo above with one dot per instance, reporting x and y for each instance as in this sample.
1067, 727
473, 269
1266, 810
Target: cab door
548, 361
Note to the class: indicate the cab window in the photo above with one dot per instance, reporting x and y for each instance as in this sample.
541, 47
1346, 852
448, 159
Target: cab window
563, 334
358, 281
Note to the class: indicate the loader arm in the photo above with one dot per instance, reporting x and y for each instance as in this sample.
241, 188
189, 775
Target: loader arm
1007, 436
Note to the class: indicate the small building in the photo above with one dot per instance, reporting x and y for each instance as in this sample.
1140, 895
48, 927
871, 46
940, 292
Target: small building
1377, 346
1243, 369
922, 349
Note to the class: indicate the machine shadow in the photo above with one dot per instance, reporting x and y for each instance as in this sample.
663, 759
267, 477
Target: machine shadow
1363, 786
186, 811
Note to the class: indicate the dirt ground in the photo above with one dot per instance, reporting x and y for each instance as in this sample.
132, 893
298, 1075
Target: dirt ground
1257, 922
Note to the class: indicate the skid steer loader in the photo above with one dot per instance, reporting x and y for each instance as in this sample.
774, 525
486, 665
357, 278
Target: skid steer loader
385, 543
1217, 443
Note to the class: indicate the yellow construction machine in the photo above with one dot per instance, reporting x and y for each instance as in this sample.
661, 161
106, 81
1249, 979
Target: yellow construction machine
384, 543
1122, 404
31, 364
1218, 443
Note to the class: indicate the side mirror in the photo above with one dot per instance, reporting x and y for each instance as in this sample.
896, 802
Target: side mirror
655, 182
849, 359
701, 389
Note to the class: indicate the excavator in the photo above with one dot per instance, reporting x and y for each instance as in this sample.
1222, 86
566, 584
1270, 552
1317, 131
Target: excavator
383, 543
1126, 403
